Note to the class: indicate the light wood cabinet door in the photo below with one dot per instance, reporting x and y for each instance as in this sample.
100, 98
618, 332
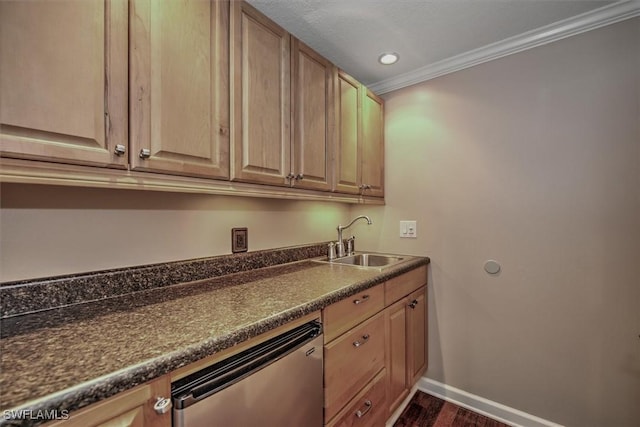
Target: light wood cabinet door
416, 335
372, 154
359, 154
179, 101
132, 408
312, 106
396, 354
348, 140
406, 331
63, 80
261, 92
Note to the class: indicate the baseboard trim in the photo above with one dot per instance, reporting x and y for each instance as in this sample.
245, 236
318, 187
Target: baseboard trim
489, 408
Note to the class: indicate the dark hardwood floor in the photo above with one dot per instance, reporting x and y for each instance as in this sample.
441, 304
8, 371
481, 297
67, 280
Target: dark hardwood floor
425, 410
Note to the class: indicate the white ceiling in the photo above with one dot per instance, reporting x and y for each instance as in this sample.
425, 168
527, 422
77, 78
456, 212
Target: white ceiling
353, 33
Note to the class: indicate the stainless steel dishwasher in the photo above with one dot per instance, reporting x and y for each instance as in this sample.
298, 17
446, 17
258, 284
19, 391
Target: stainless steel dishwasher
276, 383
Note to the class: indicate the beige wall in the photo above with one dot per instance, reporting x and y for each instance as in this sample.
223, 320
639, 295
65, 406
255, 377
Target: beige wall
56, 230
532, 160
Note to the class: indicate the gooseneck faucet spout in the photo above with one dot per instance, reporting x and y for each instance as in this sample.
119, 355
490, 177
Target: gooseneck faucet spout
341, 228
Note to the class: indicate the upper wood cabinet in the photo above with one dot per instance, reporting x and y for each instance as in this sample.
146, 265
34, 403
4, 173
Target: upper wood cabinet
260, 105
63, 80
348, 141
359, 153
199, 92
179, 80
282, 106
372, 153
312, 105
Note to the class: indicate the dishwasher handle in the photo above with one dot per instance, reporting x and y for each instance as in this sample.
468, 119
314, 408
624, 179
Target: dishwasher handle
210, 380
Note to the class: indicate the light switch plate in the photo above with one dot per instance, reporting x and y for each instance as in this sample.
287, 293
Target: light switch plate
409, 229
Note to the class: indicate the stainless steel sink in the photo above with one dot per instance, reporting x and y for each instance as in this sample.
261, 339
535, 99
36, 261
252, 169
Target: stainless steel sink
371, 260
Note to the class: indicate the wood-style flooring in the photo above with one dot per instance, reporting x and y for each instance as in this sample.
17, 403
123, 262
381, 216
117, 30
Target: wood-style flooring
425, 410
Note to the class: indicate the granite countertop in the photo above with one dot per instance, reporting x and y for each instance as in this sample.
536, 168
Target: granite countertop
69, 357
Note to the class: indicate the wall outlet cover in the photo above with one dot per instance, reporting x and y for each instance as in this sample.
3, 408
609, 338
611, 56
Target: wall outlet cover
239, 240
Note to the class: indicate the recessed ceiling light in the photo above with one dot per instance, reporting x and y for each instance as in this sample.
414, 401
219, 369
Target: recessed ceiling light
388, 58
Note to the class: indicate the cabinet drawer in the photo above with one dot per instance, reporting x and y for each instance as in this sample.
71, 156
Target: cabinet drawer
343, 315
351, 361
367, 409
403, 285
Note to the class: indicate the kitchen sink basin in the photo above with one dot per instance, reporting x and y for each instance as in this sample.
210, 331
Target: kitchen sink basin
372, 260
369, 260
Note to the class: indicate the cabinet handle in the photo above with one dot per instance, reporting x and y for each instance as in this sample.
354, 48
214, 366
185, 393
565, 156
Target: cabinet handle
290, 176
362, 412
145, 153
363, 299
414, 303
120, 150
365, 338
299, 177
162, 405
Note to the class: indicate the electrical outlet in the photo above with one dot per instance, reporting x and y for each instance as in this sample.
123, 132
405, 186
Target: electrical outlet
409, 229
239, 239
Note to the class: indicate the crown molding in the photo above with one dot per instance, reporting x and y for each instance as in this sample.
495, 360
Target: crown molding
578, 24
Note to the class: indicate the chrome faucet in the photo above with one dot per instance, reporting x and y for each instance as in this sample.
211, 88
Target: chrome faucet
340, 243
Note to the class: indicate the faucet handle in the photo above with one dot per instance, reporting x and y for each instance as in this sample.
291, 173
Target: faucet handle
332, 251
351, 243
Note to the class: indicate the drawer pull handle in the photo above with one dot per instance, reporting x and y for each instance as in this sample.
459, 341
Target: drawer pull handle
414, 303
364, 299
362, 412
162, 405
365, 338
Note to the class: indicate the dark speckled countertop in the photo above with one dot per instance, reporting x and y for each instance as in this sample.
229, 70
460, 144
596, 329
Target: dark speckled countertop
69, 357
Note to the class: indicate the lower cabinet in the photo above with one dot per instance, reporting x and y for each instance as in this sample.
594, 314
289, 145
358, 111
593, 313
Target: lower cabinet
416, 335
397, 384
371, 367
367, 408
351, 361
132, 408
406, 322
